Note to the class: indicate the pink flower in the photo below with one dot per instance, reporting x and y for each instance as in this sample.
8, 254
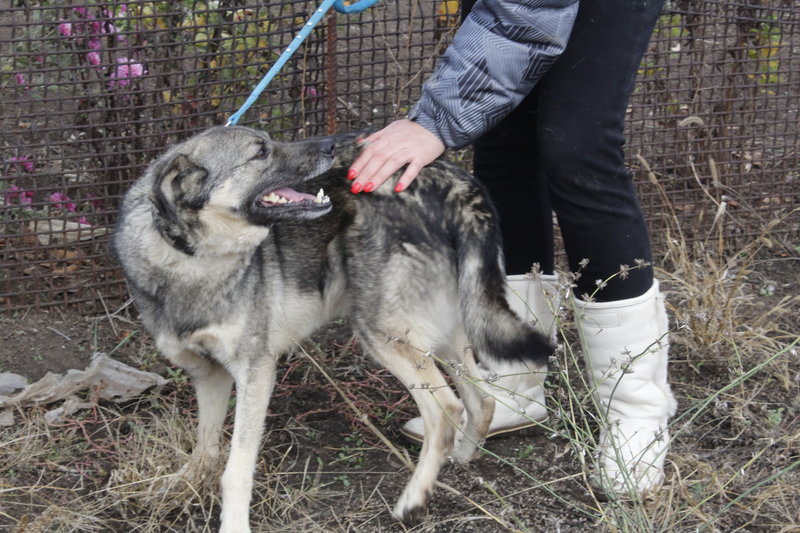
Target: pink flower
62, 201
94, 43
80, 11
17, 195
21, 80
77, 29
82, 220
125, 70
93, 58
65, 29
23, 161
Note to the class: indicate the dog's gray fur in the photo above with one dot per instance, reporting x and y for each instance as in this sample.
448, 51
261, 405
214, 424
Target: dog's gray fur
226, 284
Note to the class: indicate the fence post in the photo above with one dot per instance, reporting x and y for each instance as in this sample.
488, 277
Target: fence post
330, 71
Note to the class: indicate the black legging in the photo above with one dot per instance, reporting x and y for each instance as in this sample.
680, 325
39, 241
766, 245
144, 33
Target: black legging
562, 150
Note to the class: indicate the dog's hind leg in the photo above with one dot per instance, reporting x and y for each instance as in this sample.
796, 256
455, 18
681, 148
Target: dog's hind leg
459, 362
255, 380
440, 411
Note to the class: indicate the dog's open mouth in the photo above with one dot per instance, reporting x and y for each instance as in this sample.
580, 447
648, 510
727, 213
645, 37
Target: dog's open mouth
286, 196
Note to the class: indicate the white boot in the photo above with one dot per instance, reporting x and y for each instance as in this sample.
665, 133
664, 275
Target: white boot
516, 388
625, 347
536, 300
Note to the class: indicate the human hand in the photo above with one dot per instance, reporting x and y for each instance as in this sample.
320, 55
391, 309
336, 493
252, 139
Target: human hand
402, 142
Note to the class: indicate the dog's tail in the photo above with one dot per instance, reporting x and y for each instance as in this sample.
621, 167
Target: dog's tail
494, 330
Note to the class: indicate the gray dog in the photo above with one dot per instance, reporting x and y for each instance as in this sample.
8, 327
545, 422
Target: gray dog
230, 265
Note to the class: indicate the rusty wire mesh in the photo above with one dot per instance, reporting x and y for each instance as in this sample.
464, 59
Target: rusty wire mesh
715, 115
91, 91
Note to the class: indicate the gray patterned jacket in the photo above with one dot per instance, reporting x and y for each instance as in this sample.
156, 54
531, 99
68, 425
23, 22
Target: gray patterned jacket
499, 53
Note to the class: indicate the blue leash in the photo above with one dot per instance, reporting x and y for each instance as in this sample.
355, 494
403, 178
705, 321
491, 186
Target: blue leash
341, 7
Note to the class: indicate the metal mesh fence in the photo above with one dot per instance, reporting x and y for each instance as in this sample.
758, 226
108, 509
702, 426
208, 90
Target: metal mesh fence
91, 91
715, 115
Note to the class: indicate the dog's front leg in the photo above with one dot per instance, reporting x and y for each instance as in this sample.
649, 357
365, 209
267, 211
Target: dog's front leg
212, 384
213, 388
254, 382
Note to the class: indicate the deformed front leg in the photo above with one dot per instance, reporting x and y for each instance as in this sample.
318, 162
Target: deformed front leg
212, 385
213, 393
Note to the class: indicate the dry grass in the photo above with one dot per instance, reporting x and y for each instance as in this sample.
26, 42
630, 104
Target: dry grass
334, 462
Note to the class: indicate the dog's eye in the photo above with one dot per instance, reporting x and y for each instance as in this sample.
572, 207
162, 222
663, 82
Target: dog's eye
263, 152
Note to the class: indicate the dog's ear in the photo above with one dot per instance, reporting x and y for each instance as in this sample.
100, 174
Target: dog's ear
348, 147
178, 182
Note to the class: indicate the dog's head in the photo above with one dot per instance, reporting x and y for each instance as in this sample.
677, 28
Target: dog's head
243, 171
232, 179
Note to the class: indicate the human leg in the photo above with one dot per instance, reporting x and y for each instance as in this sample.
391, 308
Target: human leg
626, 345
582, 104
623, 325
506, 162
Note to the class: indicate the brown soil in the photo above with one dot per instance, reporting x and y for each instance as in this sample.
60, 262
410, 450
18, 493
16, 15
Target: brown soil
739, 441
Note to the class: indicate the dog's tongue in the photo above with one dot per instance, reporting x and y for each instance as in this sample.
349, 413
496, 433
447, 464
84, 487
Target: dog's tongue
292, 195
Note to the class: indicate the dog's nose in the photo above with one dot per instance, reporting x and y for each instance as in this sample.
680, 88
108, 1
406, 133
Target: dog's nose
328, 148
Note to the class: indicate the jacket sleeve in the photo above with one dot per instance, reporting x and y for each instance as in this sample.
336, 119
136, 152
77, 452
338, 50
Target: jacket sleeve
499, 53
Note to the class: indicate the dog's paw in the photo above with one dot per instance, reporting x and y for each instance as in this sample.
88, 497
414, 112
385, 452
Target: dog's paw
410, 516
464, 454
412, 506
200, 472
235, 517
464, 449
191, 473
234, 528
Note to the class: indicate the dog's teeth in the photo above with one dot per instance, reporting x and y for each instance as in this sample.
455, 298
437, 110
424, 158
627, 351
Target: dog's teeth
273, 198
321, 198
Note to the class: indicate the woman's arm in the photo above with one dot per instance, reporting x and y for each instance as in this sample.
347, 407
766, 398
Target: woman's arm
497, 56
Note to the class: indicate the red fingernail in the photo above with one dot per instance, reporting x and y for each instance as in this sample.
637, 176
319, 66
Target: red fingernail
369, 187
351, 174
399, 187
356, 188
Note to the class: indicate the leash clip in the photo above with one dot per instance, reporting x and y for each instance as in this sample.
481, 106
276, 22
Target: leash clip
347, 8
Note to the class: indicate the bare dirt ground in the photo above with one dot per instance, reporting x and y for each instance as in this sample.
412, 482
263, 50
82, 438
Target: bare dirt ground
733, 464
